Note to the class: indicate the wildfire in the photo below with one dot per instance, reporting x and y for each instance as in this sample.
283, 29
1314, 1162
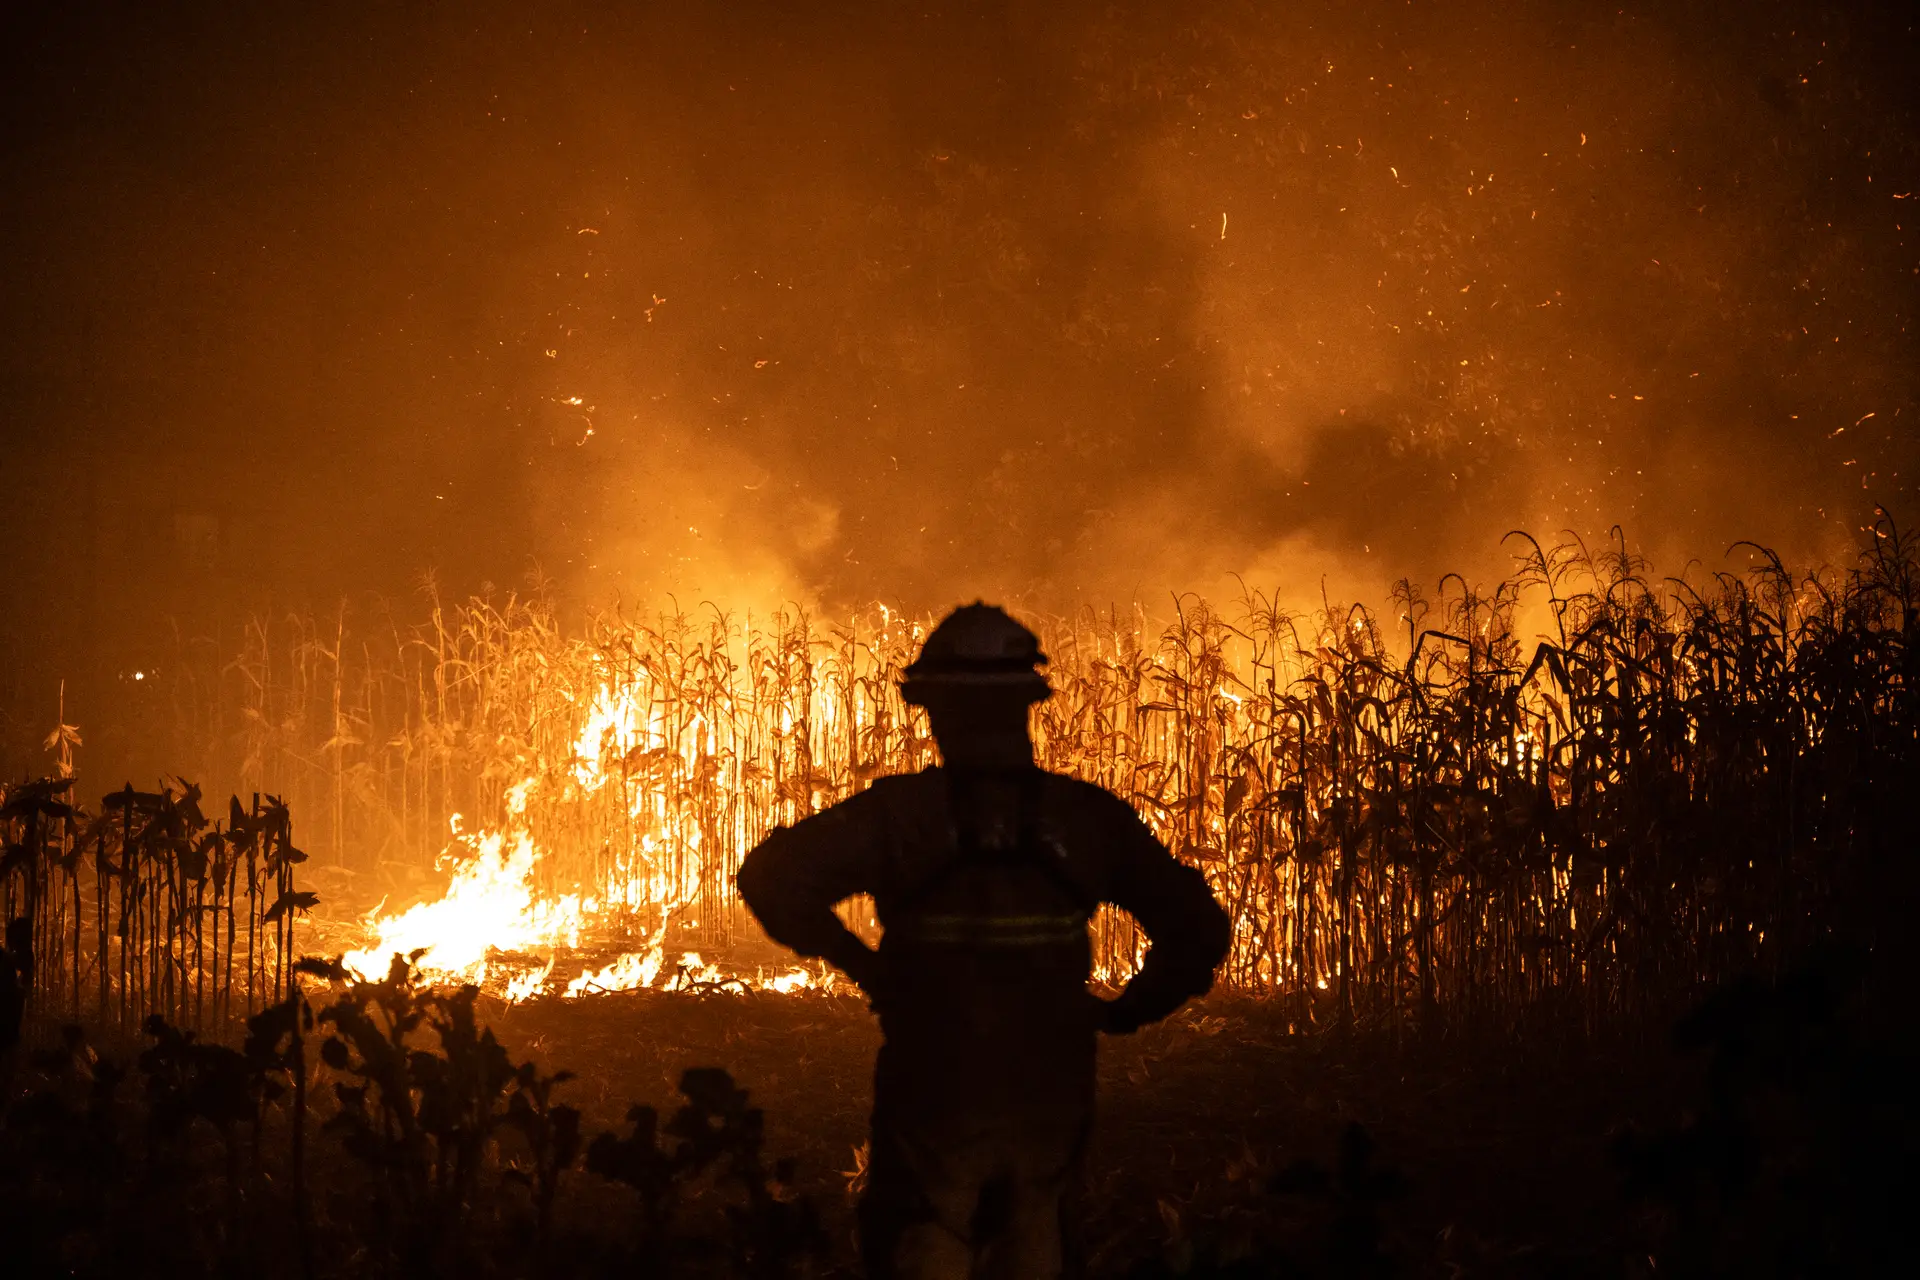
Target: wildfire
489, 907
630, 972
639, 787
491, 911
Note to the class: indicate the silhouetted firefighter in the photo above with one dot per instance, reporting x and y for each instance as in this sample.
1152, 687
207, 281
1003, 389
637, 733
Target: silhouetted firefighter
984, 874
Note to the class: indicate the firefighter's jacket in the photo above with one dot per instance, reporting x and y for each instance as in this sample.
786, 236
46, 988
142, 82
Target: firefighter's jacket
983, 884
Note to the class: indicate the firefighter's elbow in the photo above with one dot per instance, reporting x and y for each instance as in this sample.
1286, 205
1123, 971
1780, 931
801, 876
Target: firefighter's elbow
1217, 942
1209, 930
758, 877
1218, 936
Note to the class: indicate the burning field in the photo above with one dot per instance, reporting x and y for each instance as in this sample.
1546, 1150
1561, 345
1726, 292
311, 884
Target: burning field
1463, 872
1406, 814
473, 472
1425, 832
1413, 820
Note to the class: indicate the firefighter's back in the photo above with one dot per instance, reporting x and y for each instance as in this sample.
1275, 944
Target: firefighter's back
984, 906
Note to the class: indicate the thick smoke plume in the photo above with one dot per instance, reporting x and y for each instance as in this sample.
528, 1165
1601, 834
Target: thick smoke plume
1055, 302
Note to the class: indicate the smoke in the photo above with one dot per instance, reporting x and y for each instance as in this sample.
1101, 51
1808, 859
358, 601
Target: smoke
1089, 305
1057, 303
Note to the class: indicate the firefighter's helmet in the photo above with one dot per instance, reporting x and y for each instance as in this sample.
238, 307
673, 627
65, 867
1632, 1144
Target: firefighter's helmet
977, 649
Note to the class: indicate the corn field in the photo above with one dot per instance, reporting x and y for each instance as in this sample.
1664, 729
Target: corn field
1413, 814
148, 907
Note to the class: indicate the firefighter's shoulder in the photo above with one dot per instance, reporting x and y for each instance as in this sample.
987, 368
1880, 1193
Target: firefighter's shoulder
898, 789
896, 784
891, 798
1076, 801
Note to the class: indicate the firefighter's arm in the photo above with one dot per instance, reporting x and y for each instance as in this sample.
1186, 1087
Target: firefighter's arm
792, 879
1187, 932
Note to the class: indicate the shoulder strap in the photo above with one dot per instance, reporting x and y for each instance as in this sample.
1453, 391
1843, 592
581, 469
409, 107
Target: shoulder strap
1030, 846
1034, 849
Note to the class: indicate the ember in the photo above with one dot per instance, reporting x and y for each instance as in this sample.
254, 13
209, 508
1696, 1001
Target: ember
474, 472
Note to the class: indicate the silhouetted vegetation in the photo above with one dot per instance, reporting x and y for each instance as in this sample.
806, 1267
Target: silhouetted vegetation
1676, 790
365, 1127
1417, 816
447, 1158
1800, 1157
149, 908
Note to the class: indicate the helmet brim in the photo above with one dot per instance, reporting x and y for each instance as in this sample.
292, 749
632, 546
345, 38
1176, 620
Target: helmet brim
919, 687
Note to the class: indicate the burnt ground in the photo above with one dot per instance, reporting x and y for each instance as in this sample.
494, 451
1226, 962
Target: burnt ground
1505, 1150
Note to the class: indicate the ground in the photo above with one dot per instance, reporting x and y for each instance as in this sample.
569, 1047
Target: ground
1506, 1150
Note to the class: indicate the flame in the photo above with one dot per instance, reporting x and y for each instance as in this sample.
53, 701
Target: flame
631, 972
490, 906
630, 802
696, 972
799, 979
529, 984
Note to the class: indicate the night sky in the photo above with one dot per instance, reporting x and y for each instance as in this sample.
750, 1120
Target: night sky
1051, 302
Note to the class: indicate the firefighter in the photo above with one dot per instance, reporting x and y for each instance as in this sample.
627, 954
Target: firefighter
984, 873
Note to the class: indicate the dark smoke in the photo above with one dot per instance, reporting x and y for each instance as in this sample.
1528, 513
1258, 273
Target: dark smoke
1060, 302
